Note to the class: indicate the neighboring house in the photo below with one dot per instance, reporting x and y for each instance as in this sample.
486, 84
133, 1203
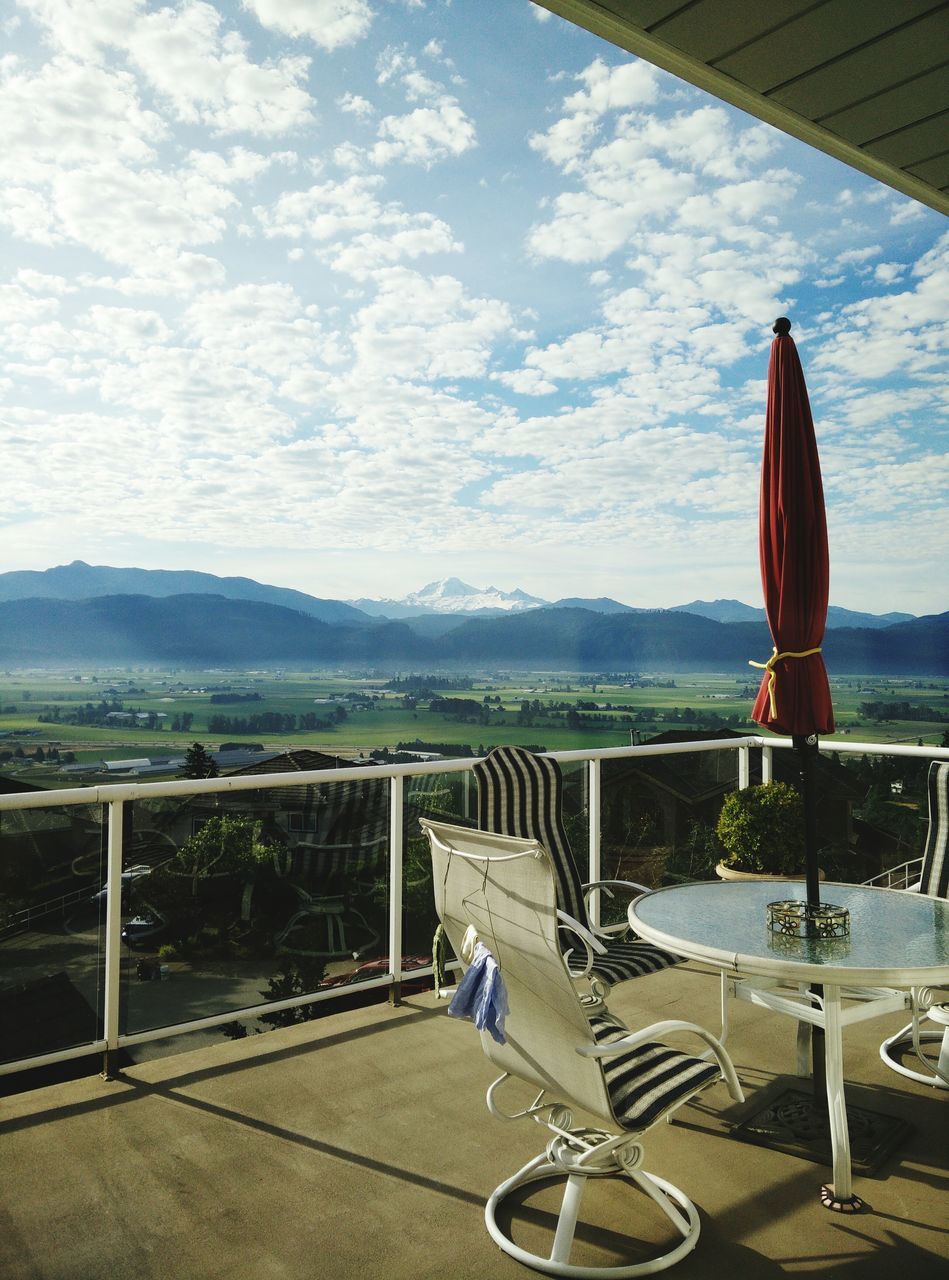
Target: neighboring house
52, 847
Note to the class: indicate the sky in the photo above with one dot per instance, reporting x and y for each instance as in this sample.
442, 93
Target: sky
353, 295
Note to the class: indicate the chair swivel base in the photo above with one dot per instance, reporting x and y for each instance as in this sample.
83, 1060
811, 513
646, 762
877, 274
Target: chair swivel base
901, 1044
673, 1202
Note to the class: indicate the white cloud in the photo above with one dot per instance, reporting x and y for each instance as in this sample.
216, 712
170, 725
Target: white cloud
328, 23
858, 255
426, 327
187, 56
354, 231
430, 133
356, 105
605, 89
206, 76
263, 327
526, 382
70, 113
85, 27
424, 136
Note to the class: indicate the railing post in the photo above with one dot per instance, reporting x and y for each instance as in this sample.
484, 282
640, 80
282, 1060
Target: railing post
113, 933
744, 767
594, 811
396, 859
767, 764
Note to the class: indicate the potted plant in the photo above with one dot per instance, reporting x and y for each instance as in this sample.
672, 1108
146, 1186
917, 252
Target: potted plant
761, 830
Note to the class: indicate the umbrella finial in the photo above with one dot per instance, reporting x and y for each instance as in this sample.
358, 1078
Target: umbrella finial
781, 326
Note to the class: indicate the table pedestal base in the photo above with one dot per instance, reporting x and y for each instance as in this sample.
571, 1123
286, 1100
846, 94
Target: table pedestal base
787, 1118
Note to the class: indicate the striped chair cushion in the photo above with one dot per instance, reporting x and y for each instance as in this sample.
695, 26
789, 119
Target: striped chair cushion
625, 959
935, 877
521, 794
649, 1080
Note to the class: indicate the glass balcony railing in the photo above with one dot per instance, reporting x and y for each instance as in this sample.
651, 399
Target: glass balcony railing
137, 911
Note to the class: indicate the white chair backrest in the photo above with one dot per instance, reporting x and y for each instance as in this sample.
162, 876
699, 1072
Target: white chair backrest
504, 886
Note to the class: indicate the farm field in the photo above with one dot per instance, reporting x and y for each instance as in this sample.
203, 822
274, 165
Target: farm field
87, 716
51, 718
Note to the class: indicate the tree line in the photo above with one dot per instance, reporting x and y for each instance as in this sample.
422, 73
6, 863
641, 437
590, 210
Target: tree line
901, 711
275, 722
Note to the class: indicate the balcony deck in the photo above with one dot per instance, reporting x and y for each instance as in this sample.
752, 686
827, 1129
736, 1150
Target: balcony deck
358, 1145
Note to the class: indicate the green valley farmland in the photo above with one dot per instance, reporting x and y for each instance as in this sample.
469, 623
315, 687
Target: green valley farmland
47, 718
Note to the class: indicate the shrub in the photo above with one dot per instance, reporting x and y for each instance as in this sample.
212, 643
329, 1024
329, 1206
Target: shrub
761, 829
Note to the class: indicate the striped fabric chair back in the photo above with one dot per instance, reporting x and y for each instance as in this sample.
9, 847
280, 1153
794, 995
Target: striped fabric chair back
520, 794
935, 877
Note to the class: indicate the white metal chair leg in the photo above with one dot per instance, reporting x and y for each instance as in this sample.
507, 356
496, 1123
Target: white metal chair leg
913, 1037
676, 1206
567, 1222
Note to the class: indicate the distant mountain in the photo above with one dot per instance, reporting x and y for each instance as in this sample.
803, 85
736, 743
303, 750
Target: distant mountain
838, 617
189, 629
451, 595
720, 610
601, 604
81, 581
735, 611
210, 630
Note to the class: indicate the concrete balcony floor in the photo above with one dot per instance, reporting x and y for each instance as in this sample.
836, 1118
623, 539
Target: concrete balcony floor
359, 1145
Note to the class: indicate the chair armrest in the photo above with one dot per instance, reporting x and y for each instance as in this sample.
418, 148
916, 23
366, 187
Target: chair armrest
620, 928
623, 884
656, 1032
583, 932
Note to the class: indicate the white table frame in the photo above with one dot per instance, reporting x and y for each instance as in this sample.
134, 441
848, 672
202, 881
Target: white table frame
878, 989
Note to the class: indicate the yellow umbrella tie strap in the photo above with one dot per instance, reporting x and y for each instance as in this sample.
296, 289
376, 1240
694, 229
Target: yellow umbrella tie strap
772, 674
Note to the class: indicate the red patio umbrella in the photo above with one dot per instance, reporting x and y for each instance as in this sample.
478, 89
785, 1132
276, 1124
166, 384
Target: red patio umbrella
794, 697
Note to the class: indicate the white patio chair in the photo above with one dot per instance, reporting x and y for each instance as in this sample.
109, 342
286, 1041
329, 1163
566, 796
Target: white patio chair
578, 1056
933, 880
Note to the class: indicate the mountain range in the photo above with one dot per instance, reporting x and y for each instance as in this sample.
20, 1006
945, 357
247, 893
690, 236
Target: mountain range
450, 597
85, 614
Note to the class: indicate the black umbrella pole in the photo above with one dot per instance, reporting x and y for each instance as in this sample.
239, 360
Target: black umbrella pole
807, 750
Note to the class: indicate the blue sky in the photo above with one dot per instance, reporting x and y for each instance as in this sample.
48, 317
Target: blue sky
350, 295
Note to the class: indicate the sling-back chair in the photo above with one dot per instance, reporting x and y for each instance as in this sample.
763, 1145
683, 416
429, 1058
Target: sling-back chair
933, 880
579, 1057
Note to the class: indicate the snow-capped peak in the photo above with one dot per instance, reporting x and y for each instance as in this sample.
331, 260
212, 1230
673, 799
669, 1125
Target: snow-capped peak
451, 595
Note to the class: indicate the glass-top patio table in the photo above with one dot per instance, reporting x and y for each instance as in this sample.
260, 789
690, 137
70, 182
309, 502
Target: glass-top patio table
897, 941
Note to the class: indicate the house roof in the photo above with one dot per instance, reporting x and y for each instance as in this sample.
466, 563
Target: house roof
864, 81
13, 786
301, 761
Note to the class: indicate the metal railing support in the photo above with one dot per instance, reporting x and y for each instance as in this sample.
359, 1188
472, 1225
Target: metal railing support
744, 767
396, 862
113, 932
767, 764
594, 808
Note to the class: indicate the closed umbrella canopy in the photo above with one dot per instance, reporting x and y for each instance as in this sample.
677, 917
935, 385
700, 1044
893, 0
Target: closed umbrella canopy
794, 697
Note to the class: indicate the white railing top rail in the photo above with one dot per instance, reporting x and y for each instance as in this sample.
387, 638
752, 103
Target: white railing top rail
118, 791
111, 791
